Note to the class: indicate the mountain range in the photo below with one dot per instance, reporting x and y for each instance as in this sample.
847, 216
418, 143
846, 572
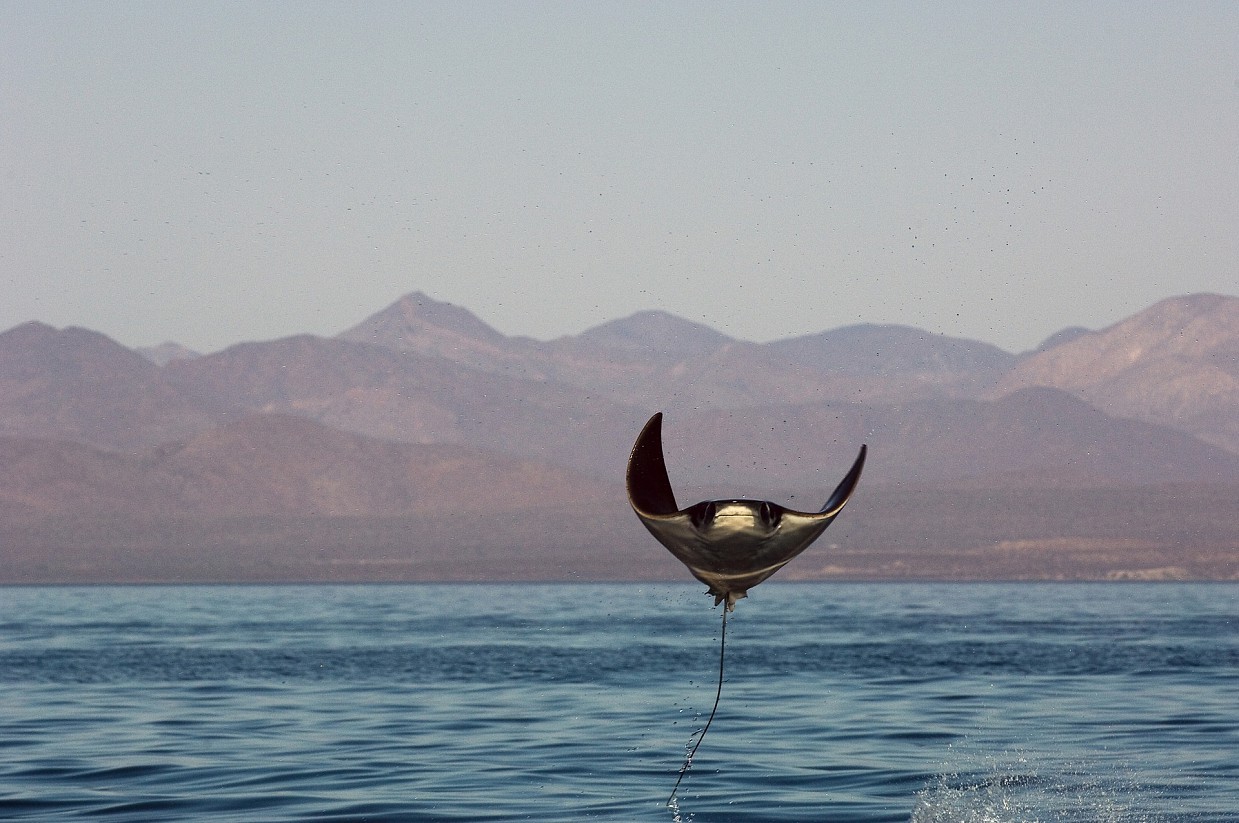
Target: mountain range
422, 444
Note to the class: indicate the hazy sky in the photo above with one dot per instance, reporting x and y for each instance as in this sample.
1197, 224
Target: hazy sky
218, 172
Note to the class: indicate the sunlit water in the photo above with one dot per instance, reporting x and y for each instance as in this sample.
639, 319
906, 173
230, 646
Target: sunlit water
925, 703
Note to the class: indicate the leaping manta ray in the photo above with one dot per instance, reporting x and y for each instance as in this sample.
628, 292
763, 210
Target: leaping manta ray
730, 545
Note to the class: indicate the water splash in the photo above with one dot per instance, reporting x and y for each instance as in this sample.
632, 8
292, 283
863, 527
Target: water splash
1017, 792
674, 805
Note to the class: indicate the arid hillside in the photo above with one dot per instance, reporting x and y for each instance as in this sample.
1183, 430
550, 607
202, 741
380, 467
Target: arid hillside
422, 444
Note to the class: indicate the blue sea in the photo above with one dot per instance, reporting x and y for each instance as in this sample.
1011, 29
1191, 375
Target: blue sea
841, 702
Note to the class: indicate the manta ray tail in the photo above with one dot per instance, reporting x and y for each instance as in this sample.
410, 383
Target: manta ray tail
688, 760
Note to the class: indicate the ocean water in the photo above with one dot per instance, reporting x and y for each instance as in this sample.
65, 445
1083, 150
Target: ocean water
924, 703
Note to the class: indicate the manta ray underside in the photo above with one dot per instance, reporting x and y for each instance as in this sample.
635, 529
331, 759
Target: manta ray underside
730, 545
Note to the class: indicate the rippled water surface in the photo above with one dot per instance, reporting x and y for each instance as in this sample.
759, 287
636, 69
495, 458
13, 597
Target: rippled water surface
416, 703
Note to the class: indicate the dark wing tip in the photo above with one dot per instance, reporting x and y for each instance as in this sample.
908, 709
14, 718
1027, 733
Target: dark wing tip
649, 488
844, 490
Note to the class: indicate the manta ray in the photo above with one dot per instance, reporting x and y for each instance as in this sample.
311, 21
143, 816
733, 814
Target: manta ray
730, 545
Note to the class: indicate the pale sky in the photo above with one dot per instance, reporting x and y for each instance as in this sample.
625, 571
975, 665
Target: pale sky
217, 172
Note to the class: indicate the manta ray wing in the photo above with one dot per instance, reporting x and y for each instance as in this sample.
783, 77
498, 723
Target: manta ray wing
730, 545
649, 488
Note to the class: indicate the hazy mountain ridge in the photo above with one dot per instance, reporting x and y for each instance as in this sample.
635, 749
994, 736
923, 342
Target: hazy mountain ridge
657, 334
1034, 437
1175, 363
883, 350
667, 360
407, 397
274, 464
422, 411
166, 352
394, 390
79, 385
